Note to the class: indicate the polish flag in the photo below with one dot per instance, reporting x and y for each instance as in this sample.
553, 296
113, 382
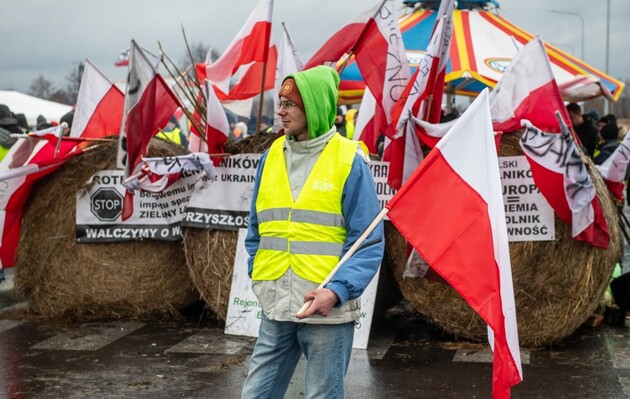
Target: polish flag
27, 161
562, 179
217, 127
421, 96
99, 105
346, 39
613, 170
149, 103
528, 90
289, 62
382, 60
245, 59
123, 58
366, 127
464, 239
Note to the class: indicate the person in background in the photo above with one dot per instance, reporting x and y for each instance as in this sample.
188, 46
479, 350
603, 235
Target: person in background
67, 118
8, 125
22, 122
340, 122
313, 197
239, 132
584, 128
350, 122
173, 133
610, 141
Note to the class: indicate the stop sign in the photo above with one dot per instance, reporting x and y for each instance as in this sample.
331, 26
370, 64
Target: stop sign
106, 204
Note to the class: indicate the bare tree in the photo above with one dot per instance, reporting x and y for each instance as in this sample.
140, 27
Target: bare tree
41, 87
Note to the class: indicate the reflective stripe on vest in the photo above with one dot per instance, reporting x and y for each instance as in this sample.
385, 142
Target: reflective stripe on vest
308, 234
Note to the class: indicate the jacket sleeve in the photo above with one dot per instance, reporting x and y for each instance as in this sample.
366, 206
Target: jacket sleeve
360, 207
252, 239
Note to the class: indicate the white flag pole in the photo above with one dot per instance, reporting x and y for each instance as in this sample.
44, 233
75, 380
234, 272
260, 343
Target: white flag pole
348, 254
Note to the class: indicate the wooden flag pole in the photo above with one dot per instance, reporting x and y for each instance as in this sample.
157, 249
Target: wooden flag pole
348, 254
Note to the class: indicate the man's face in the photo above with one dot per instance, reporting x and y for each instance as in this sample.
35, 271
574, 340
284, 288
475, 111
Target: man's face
293, 119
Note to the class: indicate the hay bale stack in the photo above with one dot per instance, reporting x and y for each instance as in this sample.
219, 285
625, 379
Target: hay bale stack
210, 253
557, 284
60, 277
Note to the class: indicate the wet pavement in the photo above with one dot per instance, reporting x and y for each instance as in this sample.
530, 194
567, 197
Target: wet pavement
192, 358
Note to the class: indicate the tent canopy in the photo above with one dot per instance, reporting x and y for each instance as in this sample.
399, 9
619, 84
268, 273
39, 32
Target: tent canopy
483, 45
32, 107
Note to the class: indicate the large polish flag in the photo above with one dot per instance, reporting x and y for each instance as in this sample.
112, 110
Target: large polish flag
613, 170
149, 103
528, 90
562, 178
465, 238
99, 105
346, 39
245, 59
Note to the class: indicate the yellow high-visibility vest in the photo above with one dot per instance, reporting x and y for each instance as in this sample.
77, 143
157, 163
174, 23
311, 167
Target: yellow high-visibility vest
308, 234
173, 135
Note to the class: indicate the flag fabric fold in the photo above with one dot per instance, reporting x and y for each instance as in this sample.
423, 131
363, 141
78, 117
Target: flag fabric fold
613, 170
99, 105
289, 62
157, 174
562, 178
465, 238
345, 40
149, 103
528, 90
27, 161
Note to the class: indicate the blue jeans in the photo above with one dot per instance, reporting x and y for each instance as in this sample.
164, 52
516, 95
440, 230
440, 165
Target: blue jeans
327, 348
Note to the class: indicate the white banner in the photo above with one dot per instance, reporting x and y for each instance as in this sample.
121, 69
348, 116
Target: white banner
223, 202
155, 216
244, 310
528, 215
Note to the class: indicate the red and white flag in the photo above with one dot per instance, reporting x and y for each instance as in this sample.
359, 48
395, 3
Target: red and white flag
27, 161
149, 103
465, 238
238, 73
422, 96
346, 39
157, 174
289, 62
613, 170
528, 90
99, 105
382, 60
563, 180
217, 127
123, 58
366, 129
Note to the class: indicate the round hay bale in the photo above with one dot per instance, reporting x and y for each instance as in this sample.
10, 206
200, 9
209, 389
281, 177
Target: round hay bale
60, 277
557, 284
210, 253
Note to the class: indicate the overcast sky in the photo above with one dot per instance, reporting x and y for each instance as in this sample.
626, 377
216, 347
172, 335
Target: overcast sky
41, 37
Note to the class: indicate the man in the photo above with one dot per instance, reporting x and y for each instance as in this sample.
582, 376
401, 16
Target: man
585, 129
314, 196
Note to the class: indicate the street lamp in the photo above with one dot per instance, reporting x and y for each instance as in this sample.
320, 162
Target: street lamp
575, 14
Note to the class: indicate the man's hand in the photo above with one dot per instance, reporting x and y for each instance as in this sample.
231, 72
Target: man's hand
323, 301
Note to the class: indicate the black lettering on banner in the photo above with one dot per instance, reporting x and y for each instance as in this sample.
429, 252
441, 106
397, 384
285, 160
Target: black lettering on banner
215, 219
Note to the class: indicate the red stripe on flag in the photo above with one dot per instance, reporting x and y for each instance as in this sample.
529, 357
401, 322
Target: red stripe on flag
107, 117
338, 44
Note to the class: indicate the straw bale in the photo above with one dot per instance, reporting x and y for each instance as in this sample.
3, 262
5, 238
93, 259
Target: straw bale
210, 253
61, 278
557, 284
